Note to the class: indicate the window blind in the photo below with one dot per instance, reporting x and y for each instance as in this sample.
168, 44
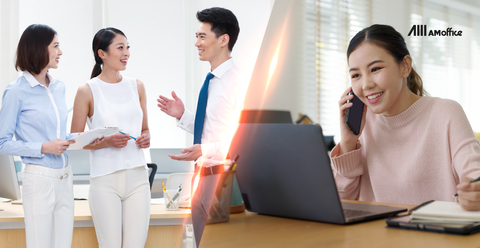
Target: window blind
329, 26
447, 63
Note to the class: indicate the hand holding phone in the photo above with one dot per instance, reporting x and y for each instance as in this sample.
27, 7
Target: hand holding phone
354, 114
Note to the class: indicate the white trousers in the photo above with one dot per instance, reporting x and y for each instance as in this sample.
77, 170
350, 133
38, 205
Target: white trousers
48, 206
120, 207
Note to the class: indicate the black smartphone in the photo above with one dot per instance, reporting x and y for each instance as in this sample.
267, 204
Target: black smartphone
354, 114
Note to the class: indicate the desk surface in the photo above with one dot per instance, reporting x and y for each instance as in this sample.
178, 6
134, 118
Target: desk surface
254, 230
14, 213
166, 227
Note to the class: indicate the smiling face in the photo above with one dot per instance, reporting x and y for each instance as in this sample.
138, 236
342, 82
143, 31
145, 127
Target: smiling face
378, 80
117, 55
54, 53
208, 45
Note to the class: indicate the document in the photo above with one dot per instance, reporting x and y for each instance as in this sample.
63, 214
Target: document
442, 211
89, 136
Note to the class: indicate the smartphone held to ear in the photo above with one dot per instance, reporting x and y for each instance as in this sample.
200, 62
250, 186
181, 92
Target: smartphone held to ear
354, 114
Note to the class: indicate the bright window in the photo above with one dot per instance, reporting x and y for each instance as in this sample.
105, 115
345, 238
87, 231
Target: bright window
447, 63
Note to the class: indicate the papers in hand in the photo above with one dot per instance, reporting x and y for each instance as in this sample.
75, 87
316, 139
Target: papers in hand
88, 137
448, 212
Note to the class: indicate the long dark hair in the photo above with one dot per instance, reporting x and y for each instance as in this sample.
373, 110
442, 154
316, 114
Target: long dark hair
32, 50
392, 41
103, 38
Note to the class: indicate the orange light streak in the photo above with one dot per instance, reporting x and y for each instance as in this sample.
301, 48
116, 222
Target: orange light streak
277, 59
273, 65
232, 129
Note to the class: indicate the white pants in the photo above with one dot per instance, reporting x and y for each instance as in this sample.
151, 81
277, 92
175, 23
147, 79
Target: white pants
48, 206
120, 207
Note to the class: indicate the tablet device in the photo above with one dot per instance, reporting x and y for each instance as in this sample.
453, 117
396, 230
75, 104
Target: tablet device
408, 222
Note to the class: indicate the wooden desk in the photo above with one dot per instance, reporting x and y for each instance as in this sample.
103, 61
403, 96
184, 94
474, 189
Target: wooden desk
254, 230
166, 227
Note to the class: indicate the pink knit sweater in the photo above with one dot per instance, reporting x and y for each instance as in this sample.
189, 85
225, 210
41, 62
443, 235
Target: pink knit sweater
410, 158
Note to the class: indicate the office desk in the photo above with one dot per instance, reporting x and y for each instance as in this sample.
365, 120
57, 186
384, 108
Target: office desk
260, 231
166, 227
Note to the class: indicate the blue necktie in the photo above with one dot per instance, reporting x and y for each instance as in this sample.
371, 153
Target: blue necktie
201, 109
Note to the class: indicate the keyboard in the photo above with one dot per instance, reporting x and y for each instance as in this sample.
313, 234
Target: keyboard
353, 212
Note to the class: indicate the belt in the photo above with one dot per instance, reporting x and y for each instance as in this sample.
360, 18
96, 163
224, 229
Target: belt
41, 173
47, 175
211, 170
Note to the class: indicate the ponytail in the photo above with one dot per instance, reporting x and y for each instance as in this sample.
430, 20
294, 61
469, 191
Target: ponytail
97, 69
103, 38
415, 83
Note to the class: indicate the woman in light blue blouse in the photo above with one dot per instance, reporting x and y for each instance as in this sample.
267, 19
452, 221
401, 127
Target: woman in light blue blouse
34, 109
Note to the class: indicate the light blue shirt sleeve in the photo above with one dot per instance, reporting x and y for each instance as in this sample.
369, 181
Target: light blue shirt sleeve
11, 105
35, 114
72, 135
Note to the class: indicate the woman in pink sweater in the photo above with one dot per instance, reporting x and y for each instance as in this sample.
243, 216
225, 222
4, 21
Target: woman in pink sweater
411, 148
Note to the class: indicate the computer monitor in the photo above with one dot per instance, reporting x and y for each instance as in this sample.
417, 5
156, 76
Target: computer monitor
79, 160
8, 178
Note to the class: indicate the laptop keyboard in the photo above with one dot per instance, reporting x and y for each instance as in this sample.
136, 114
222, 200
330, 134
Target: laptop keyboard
353, 212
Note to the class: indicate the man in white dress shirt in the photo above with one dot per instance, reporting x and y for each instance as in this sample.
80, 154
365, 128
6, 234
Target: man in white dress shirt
216, 36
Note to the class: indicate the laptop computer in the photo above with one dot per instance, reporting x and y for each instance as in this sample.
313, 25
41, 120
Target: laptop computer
284, 170
166, 165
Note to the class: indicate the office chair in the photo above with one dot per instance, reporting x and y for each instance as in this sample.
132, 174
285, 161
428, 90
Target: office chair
152, 169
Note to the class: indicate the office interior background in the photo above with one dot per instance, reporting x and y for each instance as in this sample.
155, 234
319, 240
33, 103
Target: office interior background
294, 51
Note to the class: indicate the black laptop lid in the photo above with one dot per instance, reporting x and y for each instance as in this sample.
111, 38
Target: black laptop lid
282, 168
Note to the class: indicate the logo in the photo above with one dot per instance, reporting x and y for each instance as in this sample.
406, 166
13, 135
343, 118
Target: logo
421, 30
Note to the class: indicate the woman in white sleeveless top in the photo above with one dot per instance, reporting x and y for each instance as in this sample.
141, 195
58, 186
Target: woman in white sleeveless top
119, 194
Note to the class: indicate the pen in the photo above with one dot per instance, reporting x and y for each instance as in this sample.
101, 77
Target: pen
476, 180
129, 135
419, 206
232, 168
165, 191
176, 194
233, 162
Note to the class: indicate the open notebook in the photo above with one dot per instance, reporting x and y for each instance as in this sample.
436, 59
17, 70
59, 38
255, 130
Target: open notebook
439, 216
445, 212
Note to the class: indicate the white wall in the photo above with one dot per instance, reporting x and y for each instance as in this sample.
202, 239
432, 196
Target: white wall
277, 77
155, 31
161, 34
8, 41
75, 36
